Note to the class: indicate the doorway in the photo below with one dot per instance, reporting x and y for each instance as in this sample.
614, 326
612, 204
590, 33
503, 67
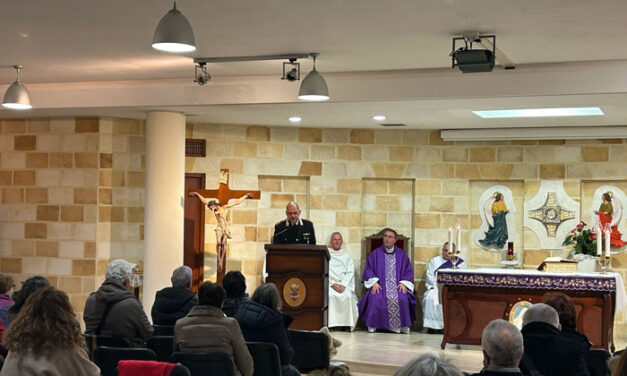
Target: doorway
194, 232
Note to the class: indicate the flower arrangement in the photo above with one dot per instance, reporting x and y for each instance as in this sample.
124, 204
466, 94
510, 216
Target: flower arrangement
584, 240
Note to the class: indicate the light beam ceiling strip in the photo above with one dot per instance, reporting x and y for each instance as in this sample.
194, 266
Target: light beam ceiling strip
540, 133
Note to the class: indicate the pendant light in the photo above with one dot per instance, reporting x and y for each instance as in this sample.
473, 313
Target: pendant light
17, 97
174, 33
314, 87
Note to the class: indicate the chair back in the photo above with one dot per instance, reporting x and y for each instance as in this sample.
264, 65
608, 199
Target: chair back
105, 340
266, 358
311, 350
107, 358
150, 368
163, 330
201, 364
374, 241
162, 346
598, 362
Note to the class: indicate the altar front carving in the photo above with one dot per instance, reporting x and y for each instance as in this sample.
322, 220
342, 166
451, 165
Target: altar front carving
473, 298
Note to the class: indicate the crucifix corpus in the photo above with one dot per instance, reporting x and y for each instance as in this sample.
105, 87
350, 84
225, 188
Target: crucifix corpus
221, 209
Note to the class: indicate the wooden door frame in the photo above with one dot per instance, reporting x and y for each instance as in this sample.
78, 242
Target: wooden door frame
201, 231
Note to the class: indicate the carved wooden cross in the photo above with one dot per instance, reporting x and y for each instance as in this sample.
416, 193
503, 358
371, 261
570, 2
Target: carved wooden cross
223, 194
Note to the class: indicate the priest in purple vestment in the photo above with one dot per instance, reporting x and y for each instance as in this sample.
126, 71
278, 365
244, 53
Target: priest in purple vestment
388, 277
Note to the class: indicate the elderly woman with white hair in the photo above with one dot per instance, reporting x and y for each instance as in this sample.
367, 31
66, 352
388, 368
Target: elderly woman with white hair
113, 309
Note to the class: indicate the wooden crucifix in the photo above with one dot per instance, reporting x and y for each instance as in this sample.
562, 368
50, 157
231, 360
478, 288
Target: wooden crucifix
221, 209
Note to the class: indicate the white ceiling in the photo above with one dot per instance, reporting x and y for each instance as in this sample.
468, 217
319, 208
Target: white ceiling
94, 58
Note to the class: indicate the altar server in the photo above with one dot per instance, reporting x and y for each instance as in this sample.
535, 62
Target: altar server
342, 298
432, 314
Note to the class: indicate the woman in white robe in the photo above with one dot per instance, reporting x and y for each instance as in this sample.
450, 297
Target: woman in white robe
342, 299
432, 316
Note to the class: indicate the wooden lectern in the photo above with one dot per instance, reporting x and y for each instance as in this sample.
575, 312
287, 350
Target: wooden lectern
301, 274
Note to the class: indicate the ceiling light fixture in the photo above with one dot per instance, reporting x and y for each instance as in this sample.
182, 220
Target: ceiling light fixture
174, 33
291, 70
201, 76
295, 119
533, 133
379, 117
314, 87
17, 97
540, 112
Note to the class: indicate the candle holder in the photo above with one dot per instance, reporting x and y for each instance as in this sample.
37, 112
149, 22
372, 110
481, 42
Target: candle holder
454, 258
603, 262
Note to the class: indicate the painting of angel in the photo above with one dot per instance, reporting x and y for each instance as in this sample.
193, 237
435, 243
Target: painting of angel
495, 208
609, 215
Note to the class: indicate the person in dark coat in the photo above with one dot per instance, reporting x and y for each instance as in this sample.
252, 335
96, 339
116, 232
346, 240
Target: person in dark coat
261, 321
173, 303
234, 284
206, 329
550, 352
565, 308
126, 317
502, 346
30, 286
294, 229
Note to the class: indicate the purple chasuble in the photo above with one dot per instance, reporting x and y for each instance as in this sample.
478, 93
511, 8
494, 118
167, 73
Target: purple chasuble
389, 308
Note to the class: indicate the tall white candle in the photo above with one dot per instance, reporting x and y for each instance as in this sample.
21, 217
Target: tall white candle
450, 240
459, 238
597, 231
607, 243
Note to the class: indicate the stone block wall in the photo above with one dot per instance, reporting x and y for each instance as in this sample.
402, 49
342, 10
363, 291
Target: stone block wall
71, 199
360, 180
72, 191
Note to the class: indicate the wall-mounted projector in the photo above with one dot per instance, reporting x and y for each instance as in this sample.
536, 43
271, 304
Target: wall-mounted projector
470, 60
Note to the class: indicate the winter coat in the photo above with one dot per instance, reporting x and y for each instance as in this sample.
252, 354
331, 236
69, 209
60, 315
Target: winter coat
60, 363
582, 340
126, 316
206, 329
171, 304
260, 323
551, 353
231, 305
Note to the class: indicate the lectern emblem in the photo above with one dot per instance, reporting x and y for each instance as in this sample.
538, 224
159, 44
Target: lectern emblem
294, 292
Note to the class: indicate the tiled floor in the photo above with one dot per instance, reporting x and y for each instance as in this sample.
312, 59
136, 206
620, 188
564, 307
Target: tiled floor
383, 353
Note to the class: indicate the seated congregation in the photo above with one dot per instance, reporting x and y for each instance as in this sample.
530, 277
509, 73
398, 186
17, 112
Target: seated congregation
220, 327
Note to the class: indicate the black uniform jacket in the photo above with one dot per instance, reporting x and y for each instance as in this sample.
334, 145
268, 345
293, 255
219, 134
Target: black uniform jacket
300, 233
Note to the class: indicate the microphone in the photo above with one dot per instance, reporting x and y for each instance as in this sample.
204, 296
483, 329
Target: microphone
280, 232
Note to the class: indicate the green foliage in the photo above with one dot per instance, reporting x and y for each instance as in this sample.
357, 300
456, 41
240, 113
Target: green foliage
583, 240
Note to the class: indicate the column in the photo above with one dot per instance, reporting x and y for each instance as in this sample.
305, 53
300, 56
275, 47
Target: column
165, 184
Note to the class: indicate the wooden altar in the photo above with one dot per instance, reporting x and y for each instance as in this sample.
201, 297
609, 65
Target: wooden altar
473, 298
301, 274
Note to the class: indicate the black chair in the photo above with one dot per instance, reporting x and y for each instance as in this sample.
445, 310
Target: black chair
266, 358
163, 330
105, 340
311, 350
598, 362
107, 358
201, 364
162, 346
